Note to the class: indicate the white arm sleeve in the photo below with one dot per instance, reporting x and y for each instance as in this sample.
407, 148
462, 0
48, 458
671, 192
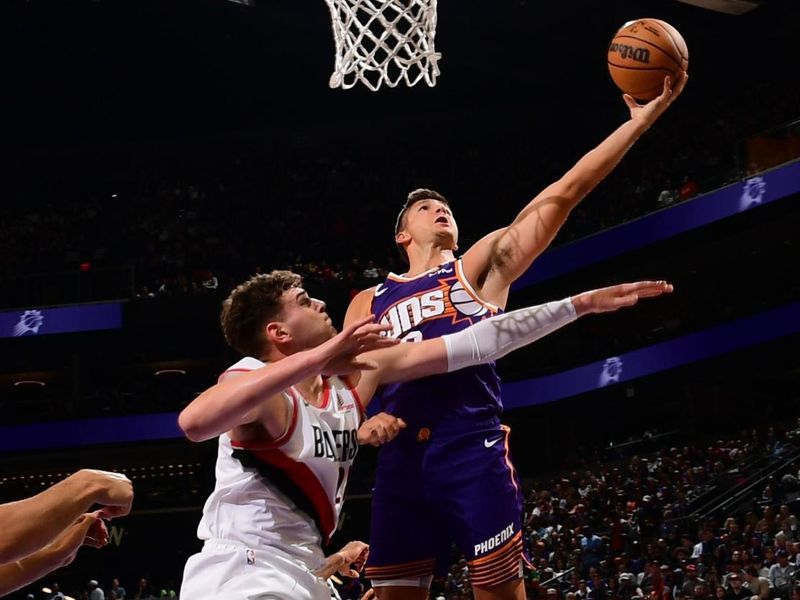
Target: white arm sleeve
493, 338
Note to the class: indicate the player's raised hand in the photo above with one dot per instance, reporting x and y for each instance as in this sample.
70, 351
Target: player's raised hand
648, 113
339, 355
612, 298
380, 429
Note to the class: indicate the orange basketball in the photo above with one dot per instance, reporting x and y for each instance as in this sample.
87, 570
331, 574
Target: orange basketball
642, 53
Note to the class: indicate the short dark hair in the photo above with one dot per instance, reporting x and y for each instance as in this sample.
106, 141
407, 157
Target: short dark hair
250, 306
417, 195
413, 197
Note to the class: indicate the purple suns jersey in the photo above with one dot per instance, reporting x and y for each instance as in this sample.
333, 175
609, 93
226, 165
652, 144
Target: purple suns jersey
430, 305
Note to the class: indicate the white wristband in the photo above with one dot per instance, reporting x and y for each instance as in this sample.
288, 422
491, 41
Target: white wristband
493, 338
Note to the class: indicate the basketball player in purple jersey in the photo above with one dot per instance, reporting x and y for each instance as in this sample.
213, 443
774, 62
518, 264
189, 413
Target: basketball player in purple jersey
447, 477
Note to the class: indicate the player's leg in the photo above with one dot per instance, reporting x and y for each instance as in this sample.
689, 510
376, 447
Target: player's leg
402, 555
479, 497
404, 532
416, 588
510, 590
413, 591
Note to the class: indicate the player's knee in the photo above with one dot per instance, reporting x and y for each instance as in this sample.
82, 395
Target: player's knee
507, 590
414, 588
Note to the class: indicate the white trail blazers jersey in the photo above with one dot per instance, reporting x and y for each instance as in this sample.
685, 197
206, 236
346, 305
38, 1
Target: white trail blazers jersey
287, 494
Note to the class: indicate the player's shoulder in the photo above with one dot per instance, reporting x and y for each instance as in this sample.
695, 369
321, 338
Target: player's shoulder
361, 305
245, 365
365, 296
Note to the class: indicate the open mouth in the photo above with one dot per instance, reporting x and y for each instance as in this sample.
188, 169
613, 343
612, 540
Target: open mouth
442, 220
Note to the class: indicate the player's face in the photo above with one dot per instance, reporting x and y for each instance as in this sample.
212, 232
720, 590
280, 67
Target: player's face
305, 319
430, 221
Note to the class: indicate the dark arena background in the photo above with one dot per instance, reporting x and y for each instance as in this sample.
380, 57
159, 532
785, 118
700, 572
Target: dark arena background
156, 153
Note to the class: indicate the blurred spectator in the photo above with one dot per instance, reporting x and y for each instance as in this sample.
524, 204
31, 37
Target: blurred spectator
758, 586
95, 591
116, 589
780, 575
788, 523
688, 189
736, 589
144, 591
627, 588
667, 196
690, 580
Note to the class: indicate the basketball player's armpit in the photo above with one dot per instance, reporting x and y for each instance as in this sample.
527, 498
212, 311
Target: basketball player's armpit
493, 338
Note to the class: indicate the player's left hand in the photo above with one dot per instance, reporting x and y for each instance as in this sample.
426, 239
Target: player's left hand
88, 530
648, 113
380, 429
349, 561
355, 557
612, 298
97, 535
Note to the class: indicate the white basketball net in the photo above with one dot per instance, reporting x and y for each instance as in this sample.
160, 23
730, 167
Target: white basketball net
384, 42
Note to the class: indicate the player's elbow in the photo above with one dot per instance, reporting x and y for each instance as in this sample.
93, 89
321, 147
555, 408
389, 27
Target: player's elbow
575, 185
192, 427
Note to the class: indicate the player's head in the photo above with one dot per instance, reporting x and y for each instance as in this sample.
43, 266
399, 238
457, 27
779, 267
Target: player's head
426, 218
273, 311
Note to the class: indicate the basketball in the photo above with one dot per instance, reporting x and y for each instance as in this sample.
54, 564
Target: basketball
642, 53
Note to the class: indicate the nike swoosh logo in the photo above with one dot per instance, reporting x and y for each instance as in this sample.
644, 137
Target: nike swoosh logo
379, 289
489, 444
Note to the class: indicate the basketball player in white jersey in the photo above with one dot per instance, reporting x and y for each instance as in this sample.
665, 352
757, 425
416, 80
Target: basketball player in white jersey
287, 426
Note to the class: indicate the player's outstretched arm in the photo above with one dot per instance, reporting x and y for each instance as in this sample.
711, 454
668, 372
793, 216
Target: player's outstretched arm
31, 524
237, 401
497, 260
87, 530
493, 338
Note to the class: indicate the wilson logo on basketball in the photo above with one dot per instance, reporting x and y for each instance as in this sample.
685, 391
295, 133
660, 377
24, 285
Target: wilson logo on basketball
625, 51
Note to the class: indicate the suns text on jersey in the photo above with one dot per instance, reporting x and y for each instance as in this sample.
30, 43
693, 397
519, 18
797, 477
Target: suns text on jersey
409, 313
339, 445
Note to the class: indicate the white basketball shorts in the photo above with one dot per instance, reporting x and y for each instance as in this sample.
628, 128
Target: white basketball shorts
231, 572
